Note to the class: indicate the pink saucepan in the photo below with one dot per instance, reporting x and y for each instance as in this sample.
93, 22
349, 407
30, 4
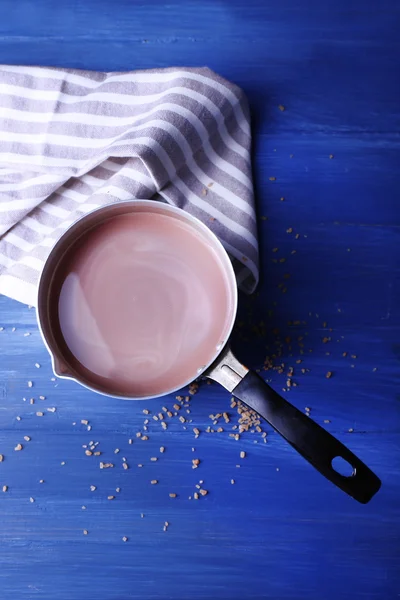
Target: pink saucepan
210, 339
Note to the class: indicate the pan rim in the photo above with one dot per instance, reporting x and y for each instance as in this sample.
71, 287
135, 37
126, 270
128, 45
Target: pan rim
162, 207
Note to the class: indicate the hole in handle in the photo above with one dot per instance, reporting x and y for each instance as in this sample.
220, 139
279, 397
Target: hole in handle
343, 467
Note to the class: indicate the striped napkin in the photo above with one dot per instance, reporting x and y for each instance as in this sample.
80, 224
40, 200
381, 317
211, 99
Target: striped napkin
71, 141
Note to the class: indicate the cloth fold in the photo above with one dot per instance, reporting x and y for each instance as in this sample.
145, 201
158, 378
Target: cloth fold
71, 141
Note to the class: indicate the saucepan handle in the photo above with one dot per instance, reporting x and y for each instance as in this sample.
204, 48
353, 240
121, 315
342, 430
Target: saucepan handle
311, 440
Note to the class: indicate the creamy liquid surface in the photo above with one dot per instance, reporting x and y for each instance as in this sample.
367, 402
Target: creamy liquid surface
144, 303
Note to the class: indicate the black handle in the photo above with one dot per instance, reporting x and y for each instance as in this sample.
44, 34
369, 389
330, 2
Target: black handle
311, 440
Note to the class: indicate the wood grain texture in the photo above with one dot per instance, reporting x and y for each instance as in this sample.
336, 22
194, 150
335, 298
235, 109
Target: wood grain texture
281, 531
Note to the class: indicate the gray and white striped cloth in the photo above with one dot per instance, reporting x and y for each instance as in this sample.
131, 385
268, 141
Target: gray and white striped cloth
71, 141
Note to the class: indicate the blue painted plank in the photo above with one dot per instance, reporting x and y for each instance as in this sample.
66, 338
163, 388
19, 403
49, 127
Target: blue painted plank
365, 97
357, 185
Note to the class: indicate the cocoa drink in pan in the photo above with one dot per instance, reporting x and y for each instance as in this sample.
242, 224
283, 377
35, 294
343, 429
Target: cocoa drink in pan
143, 302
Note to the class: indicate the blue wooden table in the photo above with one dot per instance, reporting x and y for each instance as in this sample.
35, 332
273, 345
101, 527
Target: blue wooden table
329, 297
